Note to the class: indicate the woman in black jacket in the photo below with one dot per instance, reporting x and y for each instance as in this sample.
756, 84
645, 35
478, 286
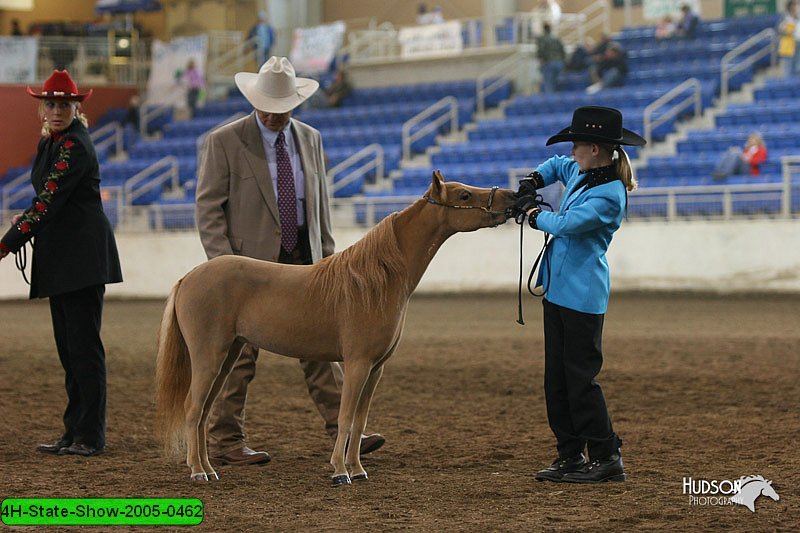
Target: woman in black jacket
74, 257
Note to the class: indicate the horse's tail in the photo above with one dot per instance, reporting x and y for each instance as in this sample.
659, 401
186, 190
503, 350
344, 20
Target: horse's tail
173, 377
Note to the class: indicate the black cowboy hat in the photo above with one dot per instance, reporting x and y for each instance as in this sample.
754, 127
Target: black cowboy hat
597, 124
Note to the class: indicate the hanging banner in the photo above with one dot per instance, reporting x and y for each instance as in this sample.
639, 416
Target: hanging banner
313, 49
167, 84
18, 59
431, 40
749, 8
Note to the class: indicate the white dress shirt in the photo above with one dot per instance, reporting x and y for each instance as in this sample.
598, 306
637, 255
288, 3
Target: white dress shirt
268, 138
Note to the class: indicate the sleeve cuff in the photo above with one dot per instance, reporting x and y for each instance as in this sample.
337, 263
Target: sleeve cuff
532, 218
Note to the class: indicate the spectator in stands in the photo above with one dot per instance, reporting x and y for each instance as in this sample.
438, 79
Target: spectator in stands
611, 71
574, 281
16, 31
132, 114
334, 93
665, 28
687, 25
195, 84
262, 193
743, 160
581, 56
74, 257
550, 51
789, 31
264, 37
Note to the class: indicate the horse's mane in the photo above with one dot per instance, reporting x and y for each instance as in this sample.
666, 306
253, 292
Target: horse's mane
745, 480
359, 274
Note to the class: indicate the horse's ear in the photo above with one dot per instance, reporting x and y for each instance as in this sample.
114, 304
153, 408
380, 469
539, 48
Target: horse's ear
437, 183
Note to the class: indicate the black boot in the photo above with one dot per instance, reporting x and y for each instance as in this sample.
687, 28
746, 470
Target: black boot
598, 471
560, 467
54, 447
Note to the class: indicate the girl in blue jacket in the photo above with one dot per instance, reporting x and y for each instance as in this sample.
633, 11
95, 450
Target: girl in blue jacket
575, 280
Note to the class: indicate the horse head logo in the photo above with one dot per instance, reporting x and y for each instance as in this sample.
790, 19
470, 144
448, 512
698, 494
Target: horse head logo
750, 488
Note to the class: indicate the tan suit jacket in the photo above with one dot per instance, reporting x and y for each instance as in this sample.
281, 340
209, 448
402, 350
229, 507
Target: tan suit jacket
237, 211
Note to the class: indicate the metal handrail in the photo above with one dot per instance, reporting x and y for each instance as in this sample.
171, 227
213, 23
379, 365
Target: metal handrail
728, 71
201, 139
593, 19
9, 196
786, 163
376, 162
365, 44
170, 173
115, 139
501, 72
149, 112
696, 97
231, 60
452, 116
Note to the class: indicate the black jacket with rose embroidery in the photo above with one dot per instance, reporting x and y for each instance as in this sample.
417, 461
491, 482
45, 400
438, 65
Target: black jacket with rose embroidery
74, 245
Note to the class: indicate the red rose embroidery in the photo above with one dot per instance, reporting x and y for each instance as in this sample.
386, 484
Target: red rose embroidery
24, 227
40, 207
51, 185
62, 165
3, 249
68, 144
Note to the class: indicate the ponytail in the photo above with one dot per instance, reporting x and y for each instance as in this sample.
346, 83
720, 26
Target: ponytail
624, 169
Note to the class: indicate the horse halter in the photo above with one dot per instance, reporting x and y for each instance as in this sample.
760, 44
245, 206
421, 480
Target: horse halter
487, 208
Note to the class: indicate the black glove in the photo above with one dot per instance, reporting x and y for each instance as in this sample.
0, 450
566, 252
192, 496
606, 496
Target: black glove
522, 206
530, 184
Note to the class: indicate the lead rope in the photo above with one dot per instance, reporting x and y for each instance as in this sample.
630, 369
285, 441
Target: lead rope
520, 320
21, 261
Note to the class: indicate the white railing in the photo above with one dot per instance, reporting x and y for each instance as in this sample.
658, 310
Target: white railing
225, 62
509, 69
448, 102
164, 170
677, 107
381, 43
202, 138
758, 50
108, 135
94, 60
375, 42
148, 112
375, 162
13, 192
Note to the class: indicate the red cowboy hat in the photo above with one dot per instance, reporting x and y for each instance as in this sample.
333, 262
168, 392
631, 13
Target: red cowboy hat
60, 86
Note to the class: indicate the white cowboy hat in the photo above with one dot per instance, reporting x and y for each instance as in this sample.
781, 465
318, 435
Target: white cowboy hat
275, 89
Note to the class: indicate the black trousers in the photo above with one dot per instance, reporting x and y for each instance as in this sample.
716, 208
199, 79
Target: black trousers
77, 317
576, 408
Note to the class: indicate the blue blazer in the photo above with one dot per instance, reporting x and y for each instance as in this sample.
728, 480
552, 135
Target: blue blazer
574, 271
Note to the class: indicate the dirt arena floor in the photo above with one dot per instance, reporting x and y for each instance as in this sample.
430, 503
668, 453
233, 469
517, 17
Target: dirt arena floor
698, 386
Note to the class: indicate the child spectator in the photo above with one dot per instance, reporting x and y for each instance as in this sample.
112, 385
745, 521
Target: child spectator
746, 160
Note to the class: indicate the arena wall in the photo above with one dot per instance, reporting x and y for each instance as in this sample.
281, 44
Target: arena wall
738, 256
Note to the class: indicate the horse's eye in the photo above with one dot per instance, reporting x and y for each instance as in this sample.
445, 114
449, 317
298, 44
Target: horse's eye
465, 195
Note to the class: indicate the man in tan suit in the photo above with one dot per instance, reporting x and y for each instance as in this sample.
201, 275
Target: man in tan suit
262, 193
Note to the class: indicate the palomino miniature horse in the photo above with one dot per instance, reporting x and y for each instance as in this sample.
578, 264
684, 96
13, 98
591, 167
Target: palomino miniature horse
348, 307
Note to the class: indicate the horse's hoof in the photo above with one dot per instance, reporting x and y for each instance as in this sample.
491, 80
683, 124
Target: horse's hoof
340, 480
360, 477
199, 477
213, 476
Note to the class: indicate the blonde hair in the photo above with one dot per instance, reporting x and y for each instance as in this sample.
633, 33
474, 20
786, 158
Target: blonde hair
622, 163
78, 114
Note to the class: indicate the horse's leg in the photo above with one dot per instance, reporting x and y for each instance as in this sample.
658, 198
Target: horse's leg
207, 370
233, 355
356, 373
353, 459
